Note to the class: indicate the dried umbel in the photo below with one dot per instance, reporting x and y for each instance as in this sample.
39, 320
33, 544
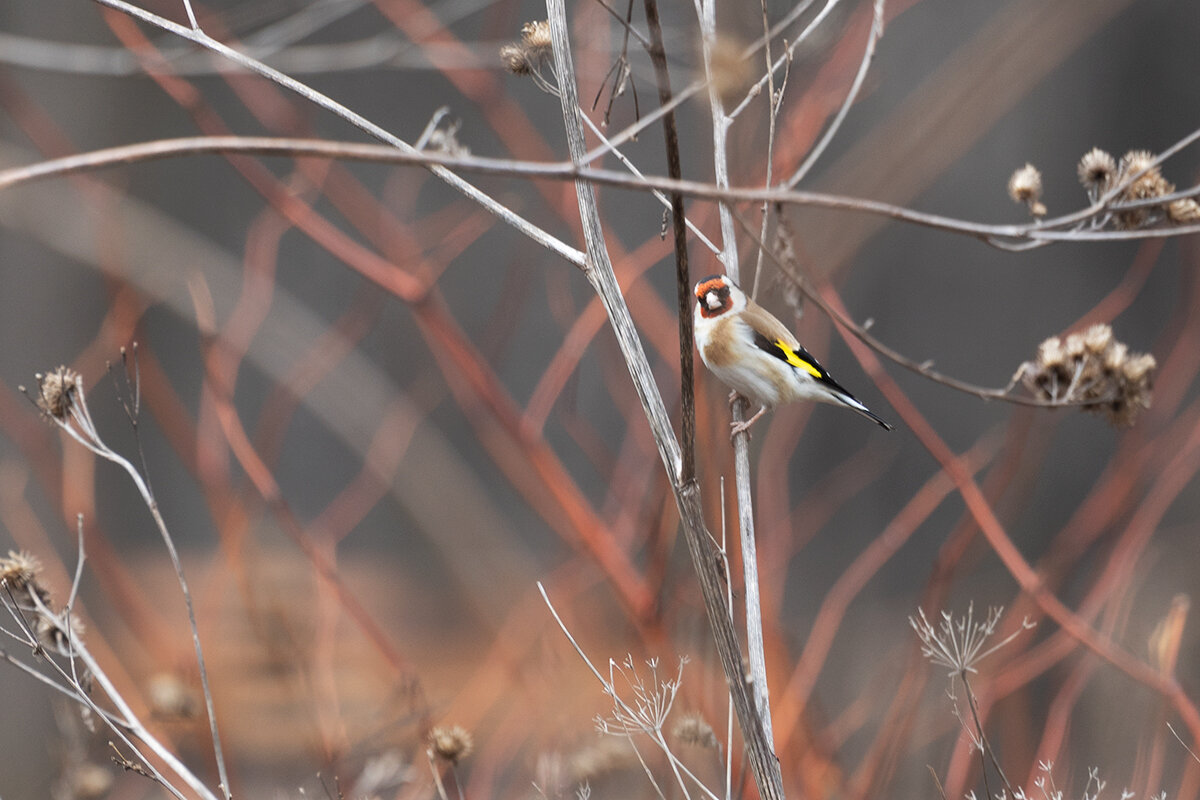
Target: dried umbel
1093, 370
451, 744
1025, 187
56, 392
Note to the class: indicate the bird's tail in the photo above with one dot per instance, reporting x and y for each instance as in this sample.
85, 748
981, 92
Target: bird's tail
851, 403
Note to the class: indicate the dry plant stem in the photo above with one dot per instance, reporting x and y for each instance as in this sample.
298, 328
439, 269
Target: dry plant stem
362, 123
812, 25
662, 198
88, 436
705, 558
851, 96
741, 441
1058, 229
773, 103
986, 746
597, 266
610, 689
922, 368
1004, 548
126, 724
129, 721
729, 603
187, 4
683, 289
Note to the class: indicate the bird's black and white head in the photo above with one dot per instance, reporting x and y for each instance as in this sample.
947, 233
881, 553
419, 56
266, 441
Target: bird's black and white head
717, 295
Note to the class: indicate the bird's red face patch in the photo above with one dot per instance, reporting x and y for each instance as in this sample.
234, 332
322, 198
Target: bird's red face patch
712, 294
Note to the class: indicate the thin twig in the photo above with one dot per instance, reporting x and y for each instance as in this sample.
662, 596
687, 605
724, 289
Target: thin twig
755, 646
869, 53
788, 52
683, 287
774, 102
362, 123
662, 198
686, 492
922, 368
83, 430
1057, 229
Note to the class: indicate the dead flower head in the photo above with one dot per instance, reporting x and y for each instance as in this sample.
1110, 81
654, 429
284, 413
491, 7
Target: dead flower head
692, 729
530, 53
170, 697
524, 57
535, 36
1025, 186
1148, 184
1095, 371
604, 756
58, 632
451, 744
730, 70
1097, 169
20, 570
515, 59
1185, 211
56, 392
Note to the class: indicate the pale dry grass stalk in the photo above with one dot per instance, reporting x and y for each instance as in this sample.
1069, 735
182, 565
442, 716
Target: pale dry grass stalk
63, 401
51, 635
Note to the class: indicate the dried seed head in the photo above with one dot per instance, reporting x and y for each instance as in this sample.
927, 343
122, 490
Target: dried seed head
1051, 354
1184, 212
515, 59
1075, 347
1136, 161
20, 570
170, 697
56, 392
731, 74
1096, 171
693, 729
89, 781
536, 38
604, 756
53, 634
1025, 185
1097, 338
1115, 356
1139, 368
1093, 371
450, 744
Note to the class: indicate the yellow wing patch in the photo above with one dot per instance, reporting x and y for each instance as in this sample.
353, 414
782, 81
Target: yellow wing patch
795, 359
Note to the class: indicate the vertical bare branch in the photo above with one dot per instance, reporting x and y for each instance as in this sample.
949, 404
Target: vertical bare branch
705, 558
683, 283
741, 441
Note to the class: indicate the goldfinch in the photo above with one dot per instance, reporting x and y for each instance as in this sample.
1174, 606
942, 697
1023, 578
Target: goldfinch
755, 354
